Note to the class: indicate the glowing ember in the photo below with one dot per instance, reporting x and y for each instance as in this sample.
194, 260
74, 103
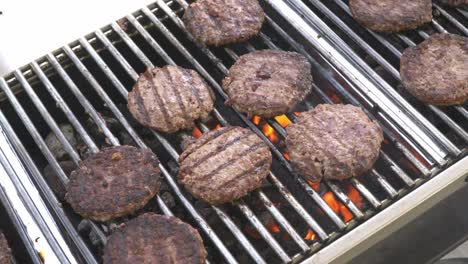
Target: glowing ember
297, 113
270, 133
273, 228
283, 120
345, 213
218, 126
196, 133
329, 198
252, 232
354, 195
310, 235
286, 155
314, 185
256, 120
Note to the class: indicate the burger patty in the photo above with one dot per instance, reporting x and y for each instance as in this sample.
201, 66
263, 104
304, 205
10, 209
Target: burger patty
224, 165
155, 239
334, 142
170, 98
391, 16
436, 71
6, 256
221, 22
454, 2
268, 82
114, 182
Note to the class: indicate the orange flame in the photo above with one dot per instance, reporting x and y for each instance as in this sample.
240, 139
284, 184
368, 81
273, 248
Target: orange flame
196, 133
314, 185
283, 120
310, 235
286, 156
218, 126
270, 133
297, 113
354, 195
337, 206
256, 120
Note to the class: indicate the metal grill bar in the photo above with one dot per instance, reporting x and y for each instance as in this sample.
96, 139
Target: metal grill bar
382, 61
371, 79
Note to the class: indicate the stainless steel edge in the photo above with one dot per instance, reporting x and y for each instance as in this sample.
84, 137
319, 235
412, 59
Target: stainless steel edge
31, 210
356, 77
389, 220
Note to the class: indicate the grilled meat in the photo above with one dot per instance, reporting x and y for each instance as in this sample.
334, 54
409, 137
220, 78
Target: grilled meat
268, 82
170, 98
6, 256
221, 22
155, 239
114, 182
436, 71
334, 142
391, 16
224, 165
456, 3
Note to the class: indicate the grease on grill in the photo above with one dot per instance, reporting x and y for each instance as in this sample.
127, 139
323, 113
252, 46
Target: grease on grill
224, 165
156, 239
114, 182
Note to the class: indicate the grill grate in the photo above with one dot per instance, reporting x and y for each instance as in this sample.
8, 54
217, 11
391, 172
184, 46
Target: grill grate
93, 75
381, 54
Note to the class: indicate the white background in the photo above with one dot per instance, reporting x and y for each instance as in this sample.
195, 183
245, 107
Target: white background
31, 28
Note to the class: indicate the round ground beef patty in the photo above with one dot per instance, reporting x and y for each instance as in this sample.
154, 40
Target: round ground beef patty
6, 256
455, 3
170, 98
155, 239
268, 82
391, 16
221, 22
224, 165
436, 71
334, 142
114, 182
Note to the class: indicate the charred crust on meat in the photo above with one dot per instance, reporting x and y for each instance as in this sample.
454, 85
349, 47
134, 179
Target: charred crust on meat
170, 99
224, 165
114, 182
268, 82
158, 239
334, 142
221, 22
391, 16
435, 71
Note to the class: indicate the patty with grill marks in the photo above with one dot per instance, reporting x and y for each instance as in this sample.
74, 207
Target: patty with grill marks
268, 82
6, 256
224, 165
221, 22
393, 15
436, 71
170, 98
334, 142
456, 3
155, 239
114, 182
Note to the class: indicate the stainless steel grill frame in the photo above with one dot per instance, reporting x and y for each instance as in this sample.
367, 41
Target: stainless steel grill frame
400, 134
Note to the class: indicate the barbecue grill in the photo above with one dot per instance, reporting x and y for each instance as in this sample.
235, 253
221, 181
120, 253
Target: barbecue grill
85, 84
